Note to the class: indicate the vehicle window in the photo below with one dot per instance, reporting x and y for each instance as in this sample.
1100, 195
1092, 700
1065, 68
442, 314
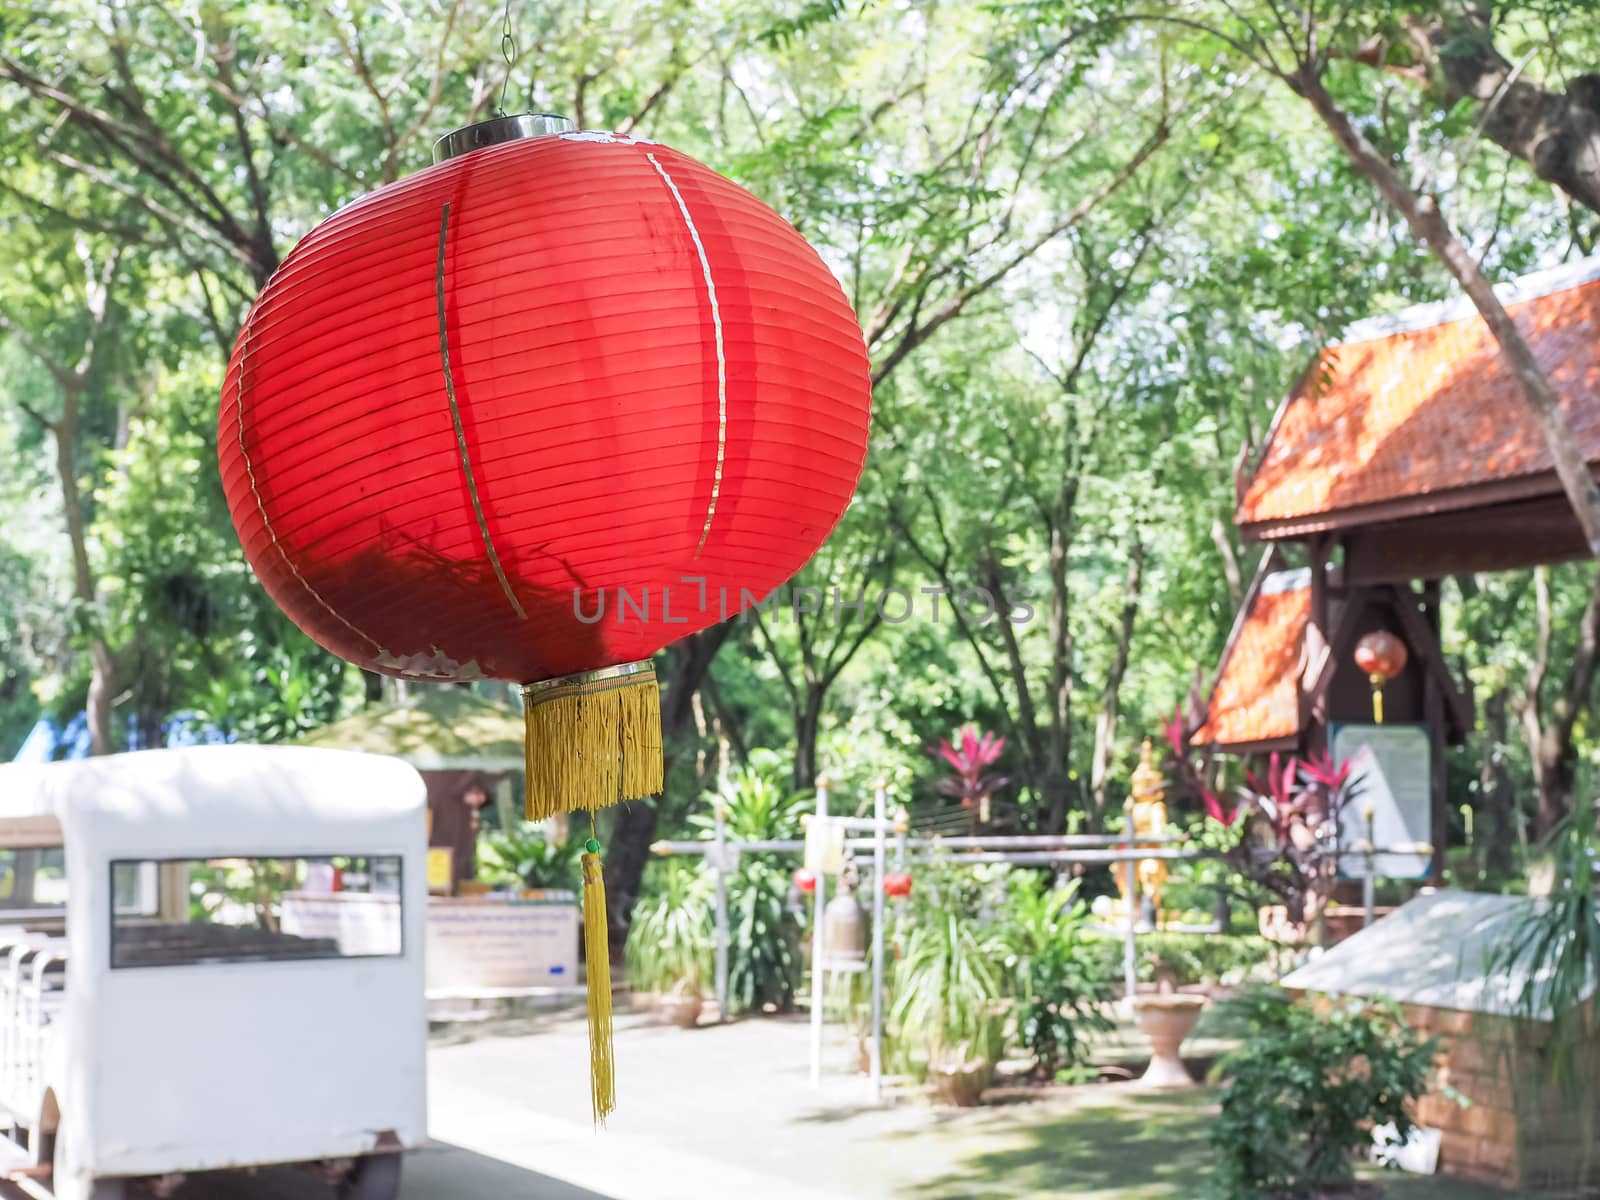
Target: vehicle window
32, 877
172, 912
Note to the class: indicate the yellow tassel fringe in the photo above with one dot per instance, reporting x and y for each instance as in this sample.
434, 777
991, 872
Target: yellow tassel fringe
593, 739
596, 949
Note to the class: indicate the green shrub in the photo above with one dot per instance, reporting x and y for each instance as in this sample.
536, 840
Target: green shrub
670, 941
1194, 957
523, 855
764, 960
1306, 1090
949, 992
1057, 973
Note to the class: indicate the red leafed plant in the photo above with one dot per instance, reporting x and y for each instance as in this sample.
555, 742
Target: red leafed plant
1289, 844
969, 761
1192, 775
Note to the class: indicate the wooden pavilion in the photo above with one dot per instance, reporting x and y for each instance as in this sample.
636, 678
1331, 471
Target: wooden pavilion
1404, 455
457, 739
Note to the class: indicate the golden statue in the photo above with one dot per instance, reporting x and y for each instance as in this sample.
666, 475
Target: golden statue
1147, 819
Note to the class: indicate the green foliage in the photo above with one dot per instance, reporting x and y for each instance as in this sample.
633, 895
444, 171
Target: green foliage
1089, 254
1555, 949
1059, 978
670, 945
524, 855
949, 992
1192, 957
1305, 1091
764, 960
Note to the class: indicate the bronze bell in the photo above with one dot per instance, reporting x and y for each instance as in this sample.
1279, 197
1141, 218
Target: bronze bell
845, 923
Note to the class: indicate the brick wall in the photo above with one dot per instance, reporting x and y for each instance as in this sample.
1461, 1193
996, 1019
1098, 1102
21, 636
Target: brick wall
1517, 1130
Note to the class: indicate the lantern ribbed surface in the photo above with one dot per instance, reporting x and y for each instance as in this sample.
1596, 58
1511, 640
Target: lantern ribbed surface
573, 374
1381, 655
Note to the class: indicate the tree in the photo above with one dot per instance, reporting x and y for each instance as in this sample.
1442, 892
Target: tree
1450, 49
1297, 44
71, 366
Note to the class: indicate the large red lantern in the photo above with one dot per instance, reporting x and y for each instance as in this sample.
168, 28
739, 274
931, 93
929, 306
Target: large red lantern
531, 415
1382, 656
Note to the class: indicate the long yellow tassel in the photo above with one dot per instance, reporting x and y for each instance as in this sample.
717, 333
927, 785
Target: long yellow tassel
593, 739
597, 951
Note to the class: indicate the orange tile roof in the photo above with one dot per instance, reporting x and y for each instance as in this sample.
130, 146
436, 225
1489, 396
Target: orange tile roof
1428, 405
1257, 693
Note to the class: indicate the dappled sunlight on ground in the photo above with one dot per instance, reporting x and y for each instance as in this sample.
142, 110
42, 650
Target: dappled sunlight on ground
728, 1112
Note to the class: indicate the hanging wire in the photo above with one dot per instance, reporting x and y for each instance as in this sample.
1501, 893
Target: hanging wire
508, 48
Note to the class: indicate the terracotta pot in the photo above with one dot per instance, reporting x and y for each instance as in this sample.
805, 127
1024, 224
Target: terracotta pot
959, 1083
1166, 1021
680, 1008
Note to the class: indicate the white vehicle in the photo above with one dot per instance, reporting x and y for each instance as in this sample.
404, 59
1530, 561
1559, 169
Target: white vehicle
211, 958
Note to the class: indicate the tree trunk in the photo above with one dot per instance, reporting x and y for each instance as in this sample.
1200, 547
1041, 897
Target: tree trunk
1230, 561
1497, 798
102, 669
1054, 790
1058, 740
1555, 133
687, 665
1422, 214
1549, 736
807, 730
1105, 725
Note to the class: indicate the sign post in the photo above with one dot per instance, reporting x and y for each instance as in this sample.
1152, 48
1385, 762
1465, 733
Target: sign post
1392, 777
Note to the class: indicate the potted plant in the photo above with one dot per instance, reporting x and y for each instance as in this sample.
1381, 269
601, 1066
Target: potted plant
765, 962
524, 857
669, 947
949, 1011
1058, 974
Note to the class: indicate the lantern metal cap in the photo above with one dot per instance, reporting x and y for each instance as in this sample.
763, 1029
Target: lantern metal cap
501, 129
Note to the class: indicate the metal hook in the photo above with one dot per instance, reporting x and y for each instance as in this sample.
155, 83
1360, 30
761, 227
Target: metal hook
508, 49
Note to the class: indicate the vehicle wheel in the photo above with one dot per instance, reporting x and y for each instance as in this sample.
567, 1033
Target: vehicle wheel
66, 1184
374, 1177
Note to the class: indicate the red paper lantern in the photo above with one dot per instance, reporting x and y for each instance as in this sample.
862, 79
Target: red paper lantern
531, 415
896, 883
540, 409
805, 880
1382, 656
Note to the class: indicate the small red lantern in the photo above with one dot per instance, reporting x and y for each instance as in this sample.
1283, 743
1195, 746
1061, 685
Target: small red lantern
1382, 656
897, 883
805, 880
531, 415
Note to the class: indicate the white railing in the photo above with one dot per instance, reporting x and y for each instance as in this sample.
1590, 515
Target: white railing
32, 977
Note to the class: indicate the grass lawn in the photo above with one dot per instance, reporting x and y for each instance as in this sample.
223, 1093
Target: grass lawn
1126, 1146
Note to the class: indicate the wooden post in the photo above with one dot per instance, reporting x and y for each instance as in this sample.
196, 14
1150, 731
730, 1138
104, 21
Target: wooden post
1315, 738
1433, 714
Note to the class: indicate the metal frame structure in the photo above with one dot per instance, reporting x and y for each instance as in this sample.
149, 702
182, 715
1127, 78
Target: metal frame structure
1017, 849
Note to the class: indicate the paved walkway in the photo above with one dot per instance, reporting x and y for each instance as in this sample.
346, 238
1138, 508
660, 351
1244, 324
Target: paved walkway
727, 1113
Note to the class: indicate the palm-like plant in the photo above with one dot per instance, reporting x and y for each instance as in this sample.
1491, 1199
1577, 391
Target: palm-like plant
1057, 973
524, 855
948, 988
669, 945
764, 962
1555, 949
